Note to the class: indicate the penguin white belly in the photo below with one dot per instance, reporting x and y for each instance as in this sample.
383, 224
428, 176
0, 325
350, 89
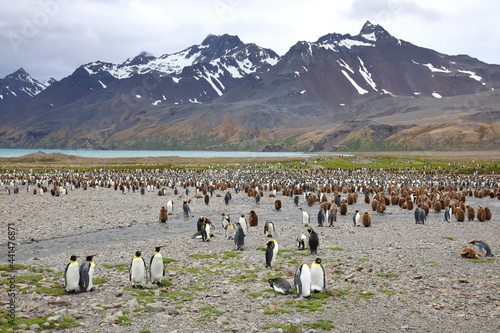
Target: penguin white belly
305, 282
157, 268
138, 272
317, 278
91, 276
72, 277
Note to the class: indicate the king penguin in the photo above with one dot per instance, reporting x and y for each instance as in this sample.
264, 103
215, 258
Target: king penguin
137, 271
305, 218
318, 281
205, 230
87, 274
301, 239
482, 247
281, 285
156, 266
239, 237
356, 219
302, 281
72, 276
230, 231
313, 241
269, 228
271, 252
447, 214
243, 223
170, 206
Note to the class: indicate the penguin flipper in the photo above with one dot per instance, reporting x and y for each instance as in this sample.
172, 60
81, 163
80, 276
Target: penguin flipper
297, 281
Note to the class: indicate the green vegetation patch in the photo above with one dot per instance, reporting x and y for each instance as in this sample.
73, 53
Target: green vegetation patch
204, 256
321, 324
480, 261
66, 323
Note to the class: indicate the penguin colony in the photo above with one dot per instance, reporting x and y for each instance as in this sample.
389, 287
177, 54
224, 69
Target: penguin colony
423, 197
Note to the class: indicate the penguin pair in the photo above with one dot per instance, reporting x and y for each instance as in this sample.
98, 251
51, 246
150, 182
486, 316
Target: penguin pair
79, 278
309, 280
138, 270
239, 237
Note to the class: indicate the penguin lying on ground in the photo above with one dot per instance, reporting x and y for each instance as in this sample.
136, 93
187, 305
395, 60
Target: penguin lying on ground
281, 285
482, 247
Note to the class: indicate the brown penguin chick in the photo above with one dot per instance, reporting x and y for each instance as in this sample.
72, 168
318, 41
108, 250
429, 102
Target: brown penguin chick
343, 208
470, 253
163, 214
253, 219
460, 215
366, 219
277, 204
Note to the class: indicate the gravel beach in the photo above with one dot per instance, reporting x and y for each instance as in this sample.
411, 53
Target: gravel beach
393, 276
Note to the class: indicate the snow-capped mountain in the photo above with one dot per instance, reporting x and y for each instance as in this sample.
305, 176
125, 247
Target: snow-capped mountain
17, 88
224, 94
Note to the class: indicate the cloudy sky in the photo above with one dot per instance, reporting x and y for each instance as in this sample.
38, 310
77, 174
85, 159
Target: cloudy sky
51, 38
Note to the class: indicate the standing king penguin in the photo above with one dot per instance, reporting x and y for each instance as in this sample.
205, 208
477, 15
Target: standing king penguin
356, 219
302, 281
239, 237
156, 266
137, 271
271, 252
318, 281
87, 274
230, 231
313, 241
305, 218
72, 276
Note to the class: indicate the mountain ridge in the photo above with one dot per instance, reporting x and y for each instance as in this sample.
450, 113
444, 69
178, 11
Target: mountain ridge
225, 94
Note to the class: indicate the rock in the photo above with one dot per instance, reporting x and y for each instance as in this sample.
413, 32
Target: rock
22, 326
155, 307
35, 327
173, 312
133, 303
57, 318
463, 280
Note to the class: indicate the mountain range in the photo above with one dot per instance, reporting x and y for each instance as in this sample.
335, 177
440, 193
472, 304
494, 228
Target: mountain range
370, 91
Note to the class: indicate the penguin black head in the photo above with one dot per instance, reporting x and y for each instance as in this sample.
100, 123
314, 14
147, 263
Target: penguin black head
73, 258
309, 230
158, 248
318, 260
138, 253
242, 215
90, 258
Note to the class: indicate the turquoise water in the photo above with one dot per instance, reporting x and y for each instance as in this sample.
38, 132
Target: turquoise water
144, 153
